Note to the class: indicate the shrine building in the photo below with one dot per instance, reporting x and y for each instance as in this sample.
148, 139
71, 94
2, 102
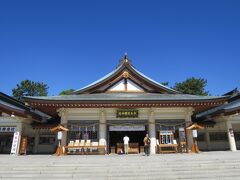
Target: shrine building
124, 102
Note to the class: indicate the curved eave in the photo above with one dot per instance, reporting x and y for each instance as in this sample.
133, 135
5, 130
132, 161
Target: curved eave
103, 97
222, 111
227, 109
50, 106
11, 105
12, 102
10, 110
67, 101
19, 112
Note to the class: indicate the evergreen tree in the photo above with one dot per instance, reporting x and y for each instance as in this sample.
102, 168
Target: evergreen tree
29, 88
66, 92
194, 86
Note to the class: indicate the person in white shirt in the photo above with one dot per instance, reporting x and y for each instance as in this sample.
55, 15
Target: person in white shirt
125, 142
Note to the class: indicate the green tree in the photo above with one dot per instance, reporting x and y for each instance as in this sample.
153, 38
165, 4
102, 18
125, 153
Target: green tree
165, 83
66, 92
194, 86
29, 88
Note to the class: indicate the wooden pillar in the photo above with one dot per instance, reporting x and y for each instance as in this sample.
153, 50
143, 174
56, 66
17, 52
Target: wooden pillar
62, 112
207, 140
36, 142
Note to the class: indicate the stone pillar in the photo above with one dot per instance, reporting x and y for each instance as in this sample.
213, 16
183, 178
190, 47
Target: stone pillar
188, 121
207, 140
62, 112
102, 127
19, 127
20, 130
152, 131
231, 139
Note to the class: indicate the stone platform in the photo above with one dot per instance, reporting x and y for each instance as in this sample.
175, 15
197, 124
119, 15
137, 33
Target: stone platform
205, 165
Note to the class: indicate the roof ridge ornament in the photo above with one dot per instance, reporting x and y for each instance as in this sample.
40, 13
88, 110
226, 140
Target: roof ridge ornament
125, 57
125, 60
125, 75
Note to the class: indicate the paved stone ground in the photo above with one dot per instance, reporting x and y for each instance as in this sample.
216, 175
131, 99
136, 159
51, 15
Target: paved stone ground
205, 165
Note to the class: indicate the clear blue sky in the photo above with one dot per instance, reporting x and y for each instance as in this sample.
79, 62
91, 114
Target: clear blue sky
69, 44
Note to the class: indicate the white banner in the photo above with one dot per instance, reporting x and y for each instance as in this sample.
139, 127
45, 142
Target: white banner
127, 128
59, 135
194, 133
15, 143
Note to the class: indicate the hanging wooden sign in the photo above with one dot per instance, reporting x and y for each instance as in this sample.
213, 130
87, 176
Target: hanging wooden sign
127, 128
23, 146
127, 113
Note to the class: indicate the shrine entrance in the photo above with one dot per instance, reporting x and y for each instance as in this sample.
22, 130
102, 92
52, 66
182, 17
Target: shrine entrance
5, 143
134, 137
136, 134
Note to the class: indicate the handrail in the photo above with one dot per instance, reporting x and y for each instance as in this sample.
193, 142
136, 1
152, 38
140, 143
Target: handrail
99, 146
168, 145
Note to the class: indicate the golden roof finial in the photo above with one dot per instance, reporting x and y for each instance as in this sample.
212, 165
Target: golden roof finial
125, 59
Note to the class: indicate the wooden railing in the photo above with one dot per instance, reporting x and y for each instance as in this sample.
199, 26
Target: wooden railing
167, 148
133, 148
85, 149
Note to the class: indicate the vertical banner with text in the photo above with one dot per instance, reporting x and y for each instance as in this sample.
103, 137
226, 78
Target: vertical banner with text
15, 143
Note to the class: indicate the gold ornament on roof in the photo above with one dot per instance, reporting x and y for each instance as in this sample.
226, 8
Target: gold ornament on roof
125, 74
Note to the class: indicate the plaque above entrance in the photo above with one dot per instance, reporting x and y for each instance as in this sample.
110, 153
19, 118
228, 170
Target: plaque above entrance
127, 128
127, 113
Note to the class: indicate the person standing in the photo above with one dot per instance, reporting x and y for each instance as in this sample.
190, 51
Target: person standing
85, 135
125, 142
147, 142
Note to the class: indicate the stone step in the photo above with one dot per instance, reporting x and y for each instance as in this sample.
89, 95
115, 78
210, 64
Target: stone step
140, 168
114, 162
117, 178
83, 166
150, 175
120, 172
123, 161
123, 167
203, 166
117, 173
7, 161
126, 176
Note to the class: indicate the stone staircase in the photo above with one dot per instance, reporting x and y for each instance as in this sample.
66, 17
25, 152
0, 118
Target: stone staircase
208, 165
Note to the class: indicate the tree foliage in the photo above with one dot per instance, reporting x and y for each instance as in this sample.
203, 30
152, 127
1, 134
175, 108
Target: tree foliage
66, 92
165, 83
195, 86
29, 88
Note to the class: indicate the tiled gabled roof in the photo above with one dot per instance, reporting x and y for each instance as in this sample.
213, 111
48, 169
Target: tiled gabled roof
125, 64
233, 105
125, 97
